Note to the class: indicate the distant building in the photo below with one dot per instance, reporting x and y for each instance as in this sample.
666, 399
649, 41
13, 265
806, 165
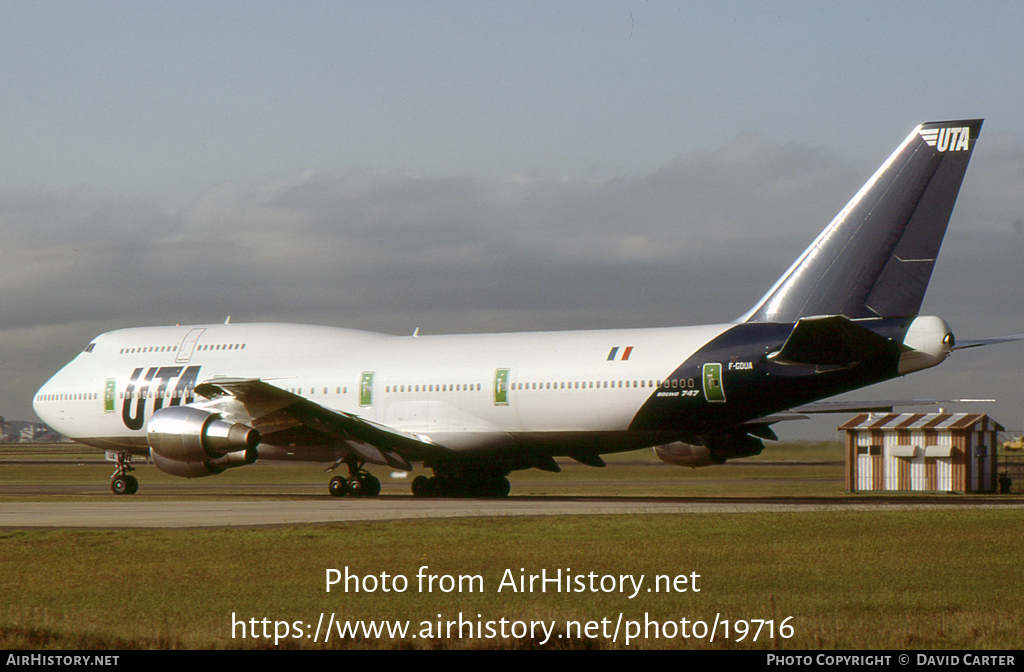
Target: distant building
19, 431
926, 452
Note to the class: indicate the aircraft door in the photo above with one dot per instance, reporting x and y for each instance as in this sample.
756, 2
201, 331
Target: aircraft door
109, 395
501, 387
713, 390
188, 344
366, 389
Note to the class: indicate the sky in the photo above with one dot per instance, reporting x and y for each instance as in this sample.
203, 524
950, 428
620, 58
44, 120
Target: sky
478, 167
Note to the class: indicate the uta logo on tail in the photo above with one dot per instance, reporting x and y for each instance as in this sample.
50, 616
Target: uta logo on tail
947, 139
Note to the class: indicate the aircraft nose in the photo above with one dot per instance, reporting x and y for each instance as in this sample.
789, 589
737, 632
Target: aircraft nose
39, 403
48, 403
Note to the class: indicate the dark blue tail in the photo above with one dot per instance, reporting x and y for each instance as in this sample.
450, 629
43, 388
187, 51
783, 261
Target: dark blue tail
876, 257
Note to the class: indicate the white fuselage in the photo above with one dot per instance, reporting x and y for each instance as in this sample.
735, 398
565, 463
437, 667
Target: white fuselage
461, 391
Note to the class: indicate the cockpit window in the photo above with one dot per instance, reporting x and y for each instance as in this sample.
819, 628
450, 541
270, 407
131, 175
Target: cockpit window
89, 347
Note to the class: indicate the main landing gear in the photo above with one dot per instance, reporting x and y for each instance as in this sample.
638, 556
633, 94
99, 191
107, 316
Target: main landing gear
470, 484
121, 481
360, 482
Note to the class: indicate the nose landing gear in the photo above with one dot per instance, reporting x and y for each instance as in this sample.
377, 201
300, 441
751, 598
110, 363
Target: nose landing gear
121, 481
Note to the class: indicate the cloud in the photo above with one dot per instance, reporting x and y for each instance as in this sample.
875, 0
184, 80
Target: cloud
267, 248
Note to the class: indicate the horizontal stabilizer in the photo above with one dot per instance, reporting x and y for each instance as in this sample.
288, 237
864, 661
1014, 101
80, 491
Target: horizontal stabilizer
995, 340
877, 406
766, 420
829, 341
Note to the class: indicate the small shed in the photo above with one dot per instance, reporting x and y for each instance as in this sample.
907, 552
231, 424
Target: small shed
924, 452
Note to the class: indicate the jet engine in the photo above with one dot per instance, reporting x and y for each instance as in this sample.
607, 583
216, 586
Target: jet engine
717, 449
685, 455
191, 442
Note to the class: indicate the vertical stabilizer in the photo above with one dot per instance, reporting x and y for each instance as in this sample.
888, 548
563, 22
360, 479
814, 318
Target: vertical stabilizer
876, 257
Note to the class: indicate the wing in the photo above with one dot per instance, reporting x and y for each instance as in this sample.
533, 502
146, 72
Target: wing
271, 409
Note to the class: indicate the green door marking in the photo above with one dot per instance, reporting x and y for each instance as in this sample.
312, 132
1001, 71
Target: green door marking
501, 387
109, 394
366, 389
713, 390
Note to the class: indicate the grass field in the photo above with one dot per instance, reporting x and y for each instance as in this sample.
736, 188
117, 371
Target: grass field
804, 469
844, 579
815, 451
848, 580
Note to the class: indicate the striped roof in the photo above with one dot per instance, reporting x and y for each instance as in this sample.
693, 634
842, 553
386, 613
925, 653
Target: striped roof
910, 421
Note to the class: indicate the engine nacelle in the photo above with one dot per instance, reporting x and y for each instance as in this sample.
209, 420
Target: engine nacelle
718, 449
199, 469
685, 455
192, 435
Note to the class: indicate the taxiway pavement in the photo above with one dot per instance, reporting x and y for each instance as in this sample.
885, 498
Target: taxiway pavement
166, 513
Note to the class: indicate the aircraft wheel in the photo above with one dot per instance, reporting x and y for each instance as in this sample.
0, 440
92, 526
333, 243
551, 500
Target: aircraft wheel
422, 486
119, 485
501, 487
338, 487
354, 487
493, 486
133, 485
451, 487
371, 486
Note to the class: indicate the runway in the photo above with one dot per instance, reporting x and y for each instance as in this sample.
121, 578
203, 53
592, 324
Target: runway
283, 496
165, 513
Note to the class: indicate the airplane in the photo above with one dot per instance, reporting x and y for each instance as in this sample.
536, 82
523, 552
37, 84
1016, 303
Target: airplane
473, 408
